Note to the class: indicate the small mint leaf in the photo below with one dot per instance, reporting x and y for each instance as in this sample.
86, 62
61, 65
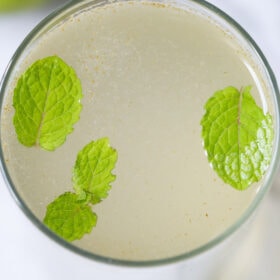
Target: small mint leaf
237, 137
69, 218
47, 103
92, 171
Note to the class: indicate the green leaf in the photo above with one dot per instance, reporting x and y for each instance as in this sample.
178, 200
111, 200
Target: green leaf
237, 137
69, 217
11, 5
92, 171
47, 103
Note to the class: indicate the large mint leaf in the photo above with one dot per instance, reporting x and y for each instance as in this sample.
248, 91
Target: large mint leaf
69, 217
237, 137
47, 103
92, 171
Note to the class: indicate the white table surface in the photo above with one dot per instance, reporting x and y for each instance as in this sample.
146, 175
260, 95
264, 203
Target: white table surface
26, 253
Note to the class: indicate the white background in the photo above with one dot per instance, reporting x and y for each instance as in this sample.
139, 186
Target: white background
26, 253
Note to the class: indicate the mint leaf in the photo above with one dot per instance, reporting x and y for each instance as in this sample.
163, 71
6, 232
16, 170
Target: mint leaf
237, 137
13, 5
47, 103
92, 171
69, 217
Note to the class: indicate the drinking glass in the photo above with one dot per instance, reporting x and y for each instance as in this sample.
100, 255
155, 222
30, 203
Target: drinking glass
244, 39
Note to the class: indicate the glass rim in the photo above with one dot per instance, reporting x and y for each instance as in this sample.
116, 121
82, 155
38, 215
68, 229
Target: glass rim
168, 260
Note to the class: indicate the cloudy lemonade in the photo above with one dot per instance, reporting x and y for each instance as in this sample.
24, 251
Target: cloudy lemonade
146, 72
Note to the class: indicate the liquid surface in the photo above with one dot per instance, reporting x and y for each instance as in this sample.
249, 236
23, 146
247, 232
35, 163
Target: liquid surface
146, 72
